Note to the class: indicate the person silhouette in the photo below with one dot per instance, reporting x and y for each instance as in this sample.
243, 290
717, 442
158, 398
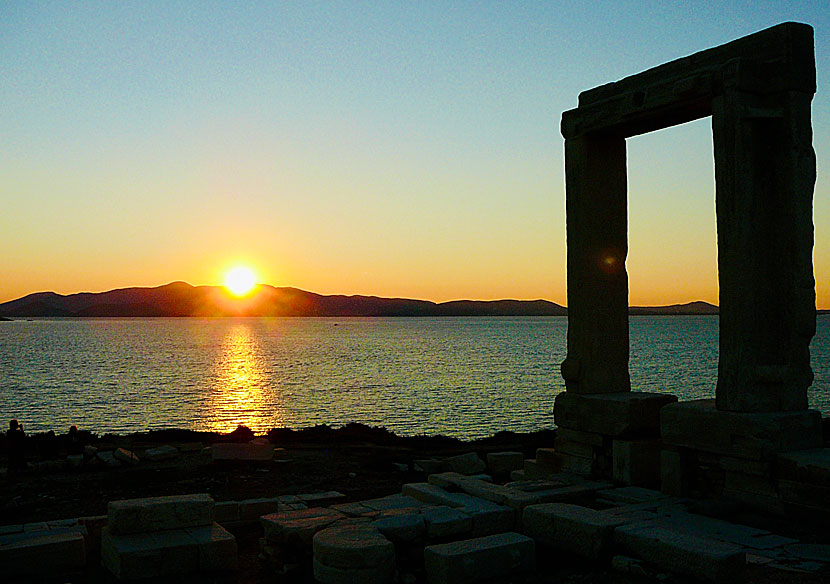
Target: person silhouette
16, 440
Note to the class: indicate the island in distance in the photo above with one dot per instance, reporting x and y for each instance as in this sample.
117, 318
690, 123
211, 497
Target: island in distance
182, 299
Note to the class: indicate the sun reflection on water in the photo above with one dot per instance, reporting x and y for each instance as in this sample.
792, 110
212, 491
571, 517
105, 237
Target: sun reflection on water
239, 392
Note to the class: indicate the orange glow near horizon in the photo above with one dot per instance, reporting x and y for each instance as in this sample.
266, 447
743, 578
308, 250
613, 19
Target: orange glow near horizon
240, 281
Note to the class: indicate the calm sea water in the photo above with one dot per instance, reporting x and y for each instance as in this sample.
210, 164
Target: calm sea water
465, 377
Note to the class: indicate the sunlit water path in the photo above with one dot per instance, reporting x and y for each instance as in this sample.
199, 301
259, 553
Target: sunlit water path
464, 377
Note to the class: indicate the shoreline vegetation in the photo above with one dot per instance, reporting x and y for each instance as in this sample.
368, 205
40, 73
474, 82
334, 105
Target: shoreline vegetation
179, 299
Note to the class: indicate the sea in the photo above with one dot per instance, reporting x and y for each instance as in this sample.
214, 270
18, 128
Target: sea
462, 377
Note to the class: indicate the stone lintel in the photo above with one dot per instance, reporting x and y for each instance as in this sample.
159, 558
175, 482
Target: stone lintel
622, 414
698, 425
678, 91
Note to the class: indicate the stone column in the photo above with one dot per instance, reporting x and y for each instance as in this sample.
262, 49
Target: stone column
765, 172
597, 228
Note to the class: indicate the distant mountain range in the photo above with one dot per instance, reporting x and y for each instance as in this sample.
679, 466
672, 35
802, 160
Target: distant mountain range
182, 299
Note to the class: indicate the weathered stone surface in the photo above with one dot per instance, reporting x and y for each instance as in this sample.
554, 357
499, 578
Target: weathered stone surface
467, 464
406, 528
353, 546
217, 548
589, 438
107, 457
806, 466
579, 449
681, 553
628, 495
483, 558
501, 463
75, 460
397, 501
699, 425
298, 526
446, 479
488, 518
323, 498
159, 513
165, 452
429, 465
356, 509
445, 522
620, 414
226, 512
126, 456
433, 494
249, 451
255, 508
572, 528
41, 554
149, 555
636, 462
674, 472
326, 574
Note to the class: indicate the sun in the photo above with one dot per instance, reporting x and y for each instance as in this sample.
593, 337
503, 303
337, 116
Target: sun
240, 280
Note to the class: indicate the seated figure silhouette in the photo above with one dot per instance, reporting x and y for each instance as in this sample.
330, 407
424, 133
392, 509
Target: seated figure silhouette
16, 441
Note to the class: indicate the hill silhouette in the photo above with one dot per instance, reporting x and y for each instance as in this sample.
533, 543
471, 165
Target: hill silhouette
181, 299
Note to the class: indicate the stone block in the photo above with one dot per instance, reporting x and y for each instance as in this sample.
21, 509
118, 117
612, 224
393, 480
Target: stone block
479, 559
242, 452
805, 466
126, 456
403, 528
353, 546
429, 465
748, 467
629, 495
75, 460
397, 501
445, 522
43, 554
149, 555
579, 449
433, 494
446, 479
488, 518
531, 469
159, 513
166, 452
682, 553
250, 509
518, 475
675, 470
580, 437
324, 498
226, 512
755, 436
217, 548
805, 494
326, 574
624, 414
107, 458
356, 509
502, 463
572, 528
467, 464
636, 462
297, 527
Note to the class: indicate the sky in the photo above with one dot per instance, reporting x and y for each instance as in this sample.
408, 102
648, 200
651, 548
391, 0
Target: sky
400, 149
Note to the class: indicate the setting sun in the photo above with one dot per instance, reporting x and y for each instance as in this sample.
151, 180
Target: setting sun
240, 280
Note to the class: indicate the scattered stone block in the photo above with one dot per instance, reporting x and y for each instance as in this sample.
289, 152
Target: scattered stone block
75, 460
298, 526
446, 479
467, 464
682, 553
588, 438
321, 498
674, 472
160, 513
628, 495
445, 522
135, 556
502, 463
126, 456
488, 518
810, 551
254, 508
636, 462
433, 495
226, 512
108, 459
403, 528
359, 552
805, 466
41, 554
572, 448
242, 452
356, 509
397, 501
517, 475
90, 451
531, 469
572, 528
166, 452
479, 559
217, 548
428, 465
